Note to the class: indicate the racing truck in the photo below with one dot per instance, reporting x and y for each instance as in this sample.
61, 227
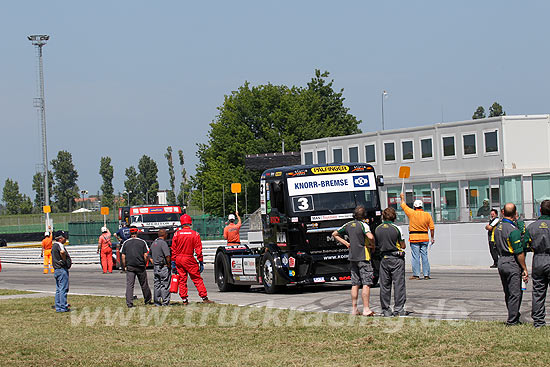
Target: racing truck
291, 241
149, 219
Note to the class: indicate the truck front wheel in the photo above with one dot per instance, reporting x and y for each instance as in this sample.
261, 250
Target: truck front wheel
222, 267
269, 274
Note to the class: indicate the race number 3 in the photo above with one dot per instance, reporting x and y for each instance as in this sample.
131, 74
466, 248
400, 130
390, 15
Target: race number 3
303, 203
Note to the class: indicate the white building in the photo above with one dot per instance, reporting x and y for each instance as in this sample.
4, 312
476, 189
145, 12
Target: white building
454, 166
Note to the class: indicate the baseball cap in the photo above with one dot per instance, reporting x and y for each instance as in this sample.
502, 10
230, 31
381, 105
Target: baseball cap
418, 204
59, 234
231, 217
133, 229
47, 234
103, 229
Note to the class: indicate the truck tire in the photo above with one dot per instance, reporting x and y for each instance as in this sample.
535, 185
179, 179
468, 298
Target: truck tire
269, 274
222, 268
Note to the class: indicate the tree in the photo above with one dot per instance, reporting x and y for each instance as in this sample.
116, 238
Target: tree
496, 110
255, 120
65, 189
479, 114
25, 207
132, 186
185, 187
148, 180
171, 197
106, 171
38, 187
11, 196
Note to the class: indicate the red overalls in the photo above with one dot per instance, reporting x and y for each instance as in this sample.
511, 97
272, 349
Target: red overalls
184, 243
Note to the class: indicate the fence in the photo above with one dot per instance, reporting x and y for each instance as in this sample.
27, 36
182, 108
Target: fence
30, 223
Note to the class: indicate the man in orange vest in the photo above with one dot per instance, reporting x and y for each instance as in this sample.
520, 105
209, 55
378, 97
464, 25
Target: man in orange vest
420, 222
106, 249
231, 231
47, 250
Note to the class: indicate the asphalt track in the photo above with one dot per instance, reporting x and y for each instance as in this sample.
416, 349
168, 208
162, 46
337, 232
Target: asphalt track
452, 293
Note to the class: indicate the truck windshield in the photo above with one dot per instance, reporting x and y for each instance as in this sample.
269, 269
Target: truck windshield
160, 217
334, 202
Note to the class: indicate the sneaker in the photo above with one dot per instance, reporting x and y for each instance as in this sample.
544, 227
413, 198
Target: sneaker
493, 266
414, 277
185, 302
401, 313
427, 277
206, 300
387, 313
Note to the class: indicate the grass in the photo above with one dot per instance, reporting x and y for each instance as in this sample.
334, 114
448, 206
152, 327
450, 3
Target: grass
102, 331
9, 292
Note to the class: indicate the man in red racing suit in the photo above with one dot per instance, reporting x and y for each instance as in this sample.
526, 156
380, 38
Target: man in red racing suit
184, 243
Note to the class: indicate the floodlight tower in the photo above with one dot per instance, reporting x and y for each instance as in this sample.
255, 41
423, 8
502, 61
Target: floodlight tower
39, 41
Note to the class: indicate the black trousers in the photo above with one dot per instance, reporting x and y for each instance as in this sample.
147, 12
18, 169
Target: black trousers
510, 276
493, 251
131, 275
541, 278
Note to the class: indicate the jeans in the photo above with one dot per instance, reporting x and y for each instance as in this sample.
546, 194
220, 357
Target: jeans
420, 250
61, 289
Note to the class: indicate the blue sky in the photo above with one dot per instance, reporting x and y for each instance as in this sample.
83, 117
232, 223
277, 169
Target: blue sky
127, 78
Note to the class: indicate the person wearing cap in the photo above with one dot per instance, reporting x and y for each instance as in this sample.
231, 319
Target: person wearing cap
420, 223
231, 231
105, 248
484, 210
47, 250
134, 257
186, 243
62, 263
511, 262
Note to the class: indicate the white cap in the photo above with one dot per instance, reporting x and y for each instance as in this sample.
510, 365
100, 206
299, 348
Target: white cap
47, 234
231, 217
418, 204
485, 200
103, 229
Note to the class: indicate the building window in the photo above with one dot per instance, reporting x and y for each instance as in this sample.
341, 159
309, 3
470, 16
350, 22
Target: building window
541, 190
426, 147
477, 195
308, 158
370, 153
321, 157
389, 152
449, 146
407, 150
491, 141
337, 155
469, 144
394, 201
353, 154
510, 192
450, 208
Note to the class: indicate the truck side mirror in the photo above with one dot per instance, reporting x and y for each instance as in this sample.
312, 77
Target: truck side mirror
380, 180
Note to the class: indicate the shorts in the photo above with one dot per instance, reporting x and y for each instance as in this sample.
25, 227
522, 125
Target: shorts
361, 273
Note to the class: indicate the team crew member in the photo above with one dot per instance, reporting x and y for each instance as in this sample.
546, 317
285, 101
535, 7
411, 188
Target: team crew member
392, 267
538, 234
419, 224
122, 235
105, 248
61, 263
231, 231
511, 262
160, 254
134, 257
491, 234
47, 250
360, 245
184, 243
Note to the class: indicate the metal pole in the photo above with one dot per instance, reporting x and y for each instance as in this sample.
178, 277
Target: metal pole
39, 41
245, 201
383, 95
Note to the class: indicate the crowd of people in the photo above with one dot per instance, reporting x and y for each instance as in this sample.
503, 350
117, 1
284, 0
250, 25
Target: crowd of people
509, 241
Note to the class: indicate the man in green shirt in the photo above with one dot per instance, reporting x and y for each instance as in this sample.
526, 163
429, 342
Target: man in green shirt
538, 236
361, 246
511, 262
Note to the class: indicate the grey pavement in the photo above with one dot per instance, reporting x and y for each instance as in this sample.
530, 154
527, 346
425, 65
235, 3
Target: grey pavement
473, 293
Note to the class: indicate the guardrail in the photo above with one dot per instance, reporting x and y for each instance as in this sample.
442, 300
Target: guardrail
84, 254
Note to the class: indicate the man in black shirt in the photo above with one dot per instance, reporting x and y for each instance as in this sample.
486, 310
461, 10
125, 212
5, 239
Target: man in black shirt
134, 257
61, 262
